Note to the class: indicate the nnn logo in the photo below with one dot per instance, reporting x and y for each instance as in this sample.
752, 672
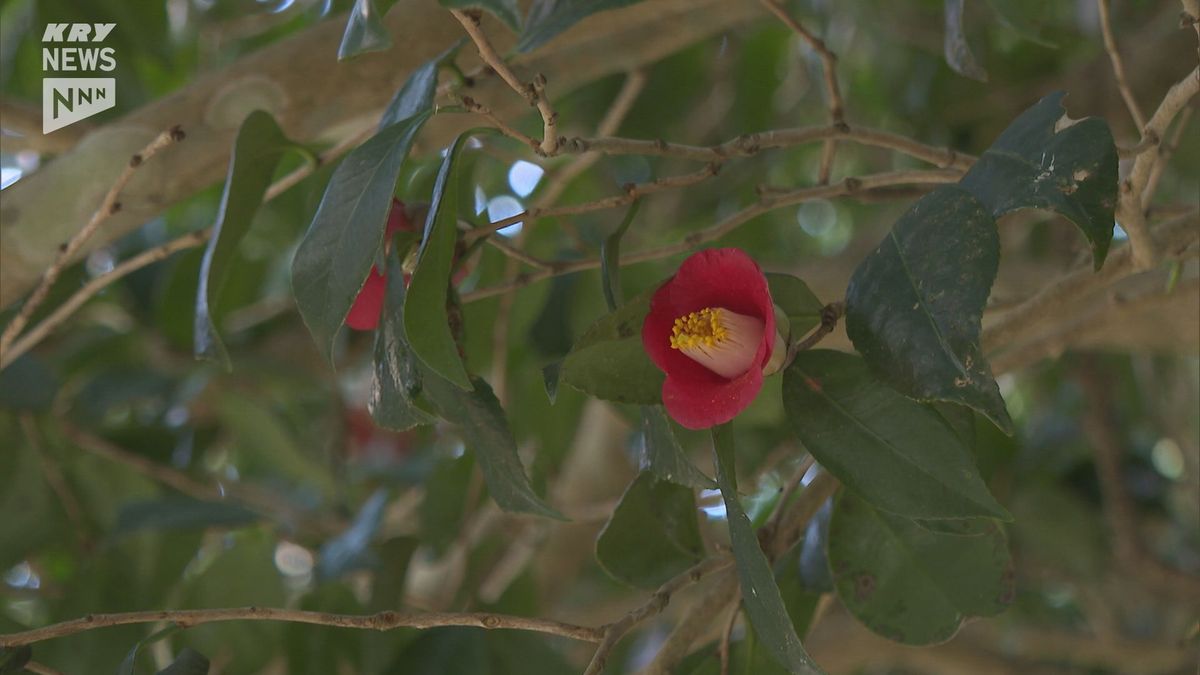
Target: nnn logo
67, 48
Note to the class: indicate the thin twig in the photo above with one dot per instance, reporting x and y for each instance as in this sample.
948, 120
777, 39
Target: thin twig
108, 206
55, 479
801, 512
1118, 66
534, 93
40, 669
849, 186
612, 633
727, 633
829, 321
1164, 154
790, 489
486, 112
833, 93
381, 621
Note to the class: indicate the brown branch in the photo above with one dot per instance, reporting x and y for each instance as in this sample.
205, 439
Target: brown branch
40, 669
67, 251
849, 186
696, 621
1164, 154
1118, 66
833, 93
829, 321
381, 621
727, 633
821, 488
486, 112
613, 632
534, 93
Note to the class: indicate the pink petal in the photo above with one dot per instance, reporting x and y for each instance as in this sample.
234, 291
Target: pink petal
368, 305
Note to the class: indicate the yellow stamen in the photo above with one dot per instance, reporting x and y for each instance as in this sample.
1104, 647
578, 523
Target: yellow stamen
725, 342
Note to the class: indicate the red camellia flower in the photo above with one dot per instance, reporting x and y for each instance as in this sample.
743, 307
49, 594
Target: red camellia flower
711, 329
368, 305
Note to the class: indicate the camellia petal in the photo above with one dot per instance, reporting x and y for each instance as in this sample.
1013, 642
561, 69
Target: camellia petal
711, 329
368, 305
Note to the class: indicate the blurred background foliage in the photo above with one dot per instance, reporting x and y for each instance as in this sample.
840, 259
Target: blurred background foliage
134, 477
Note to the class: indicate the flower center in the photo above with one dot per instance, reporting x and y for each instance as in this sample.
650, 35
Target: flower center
725, 342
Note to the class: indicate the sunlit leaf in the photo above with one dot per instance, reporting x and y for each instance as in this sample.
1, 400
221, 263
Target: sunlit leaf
365, 31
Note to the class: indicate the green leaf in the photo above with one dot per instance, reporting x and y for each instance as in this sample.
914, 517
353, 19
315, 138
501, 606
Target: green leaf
259, 145
798, 597
189, 662
893, 451
129, 663
505, 10
426, 319
610, 259
662, 454
13, 659
445, 503
912, 585
914, 305
801, 306
264, 441
365, 31
760, 596
954, 44
397, 379
340, 247
652, 535
349, 551
180, 513
548, 18
27, 384
1045, 160
484, 429
609, 362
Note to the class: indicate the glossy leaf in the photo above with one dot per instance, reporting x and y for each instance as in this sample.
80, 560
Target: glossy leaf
179, 513
188, 662
662, 455
505, 10
365, 31
426, 318
609, 362
760, 596
954, 43
893, 451
914, 305
484, 429
610, 259
340, 247
548, 18
397, 379
652, 535
797, 302
1045, 160
259, 145
912, 585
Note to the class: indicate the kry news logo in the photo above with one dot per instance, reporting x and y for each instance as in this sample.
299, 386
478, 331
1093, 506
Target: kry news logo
66, 100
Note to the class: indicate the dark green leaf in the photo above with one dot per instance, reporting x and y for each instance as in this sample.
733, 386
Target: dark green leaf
914, 306
799, 597
799, 304
893, 451
180, 513
954, 43
1013, 16
1045, 160
426, 319
265, 443
959, 527
505, 10
349, 551
365, 31
13, 659
760, 596
551, 374
610, 259
652, 535
259, 145
909, 584
813, 564
442, 509
416, 95
484, 429
129, 664
609, 362
548, 18
662, 455
550, 334
189, 662
340, 247
27, 384
397, 380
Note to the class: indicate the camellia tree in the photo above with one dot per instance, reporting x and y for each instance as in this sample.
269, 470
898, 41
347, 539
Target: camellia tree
673, 336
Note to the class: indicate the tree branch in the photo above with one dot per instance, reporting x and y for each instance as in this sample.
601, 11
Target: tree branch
381, 621
1118, 66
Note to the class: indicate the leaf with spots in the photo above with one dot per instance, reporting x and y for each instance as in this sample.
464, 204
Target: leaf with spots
910, 584
1045, 160
914, 305
894, 452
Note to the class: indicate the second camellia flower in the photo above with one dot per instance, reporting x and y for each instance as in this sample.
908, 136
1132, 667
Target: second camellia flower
711, 329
